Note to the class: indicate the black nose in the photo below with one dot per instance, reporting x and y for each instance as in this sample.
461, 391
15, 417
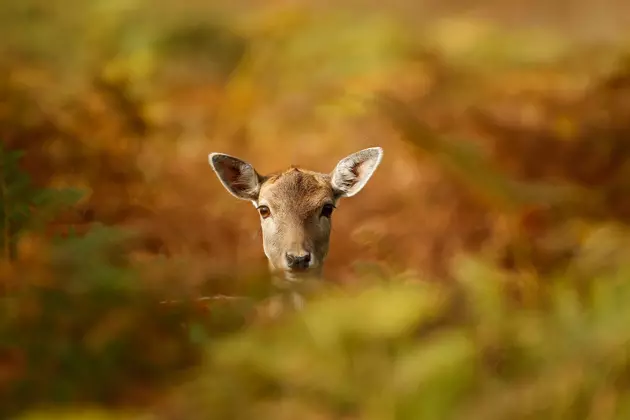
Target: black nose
298, 261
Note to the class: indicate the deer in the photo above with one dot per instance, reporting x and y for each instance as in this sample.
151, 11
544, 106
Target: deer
295, 208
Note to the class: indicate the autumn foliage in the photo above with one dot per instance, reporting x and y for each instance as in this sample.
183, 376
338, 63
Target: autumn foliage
480, 274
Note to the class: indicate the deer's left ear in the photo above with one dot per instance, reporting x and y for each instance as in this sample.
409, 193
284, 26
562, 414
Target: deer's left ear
354, 171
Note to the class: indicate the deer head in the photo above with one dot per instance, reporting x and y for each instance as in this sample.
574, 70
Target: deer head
296, 206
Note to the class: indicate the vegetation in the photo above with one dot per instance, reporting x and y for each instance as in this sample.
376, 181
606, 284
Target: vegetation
481, 275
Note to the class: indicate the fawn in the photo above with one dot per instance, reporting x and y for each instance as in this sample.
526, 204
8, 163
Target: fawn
295, 208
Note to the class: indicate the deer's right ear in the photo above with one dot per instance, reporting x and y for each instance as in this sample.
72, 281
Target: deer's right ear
238, 177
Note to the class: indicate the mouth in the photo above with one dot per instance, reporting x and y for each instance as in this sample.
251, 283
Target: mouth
296, 274
299, 274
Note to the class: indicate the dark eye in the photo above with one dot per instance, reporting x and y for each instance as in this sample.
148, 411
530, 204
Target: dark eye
327, 210
264, 211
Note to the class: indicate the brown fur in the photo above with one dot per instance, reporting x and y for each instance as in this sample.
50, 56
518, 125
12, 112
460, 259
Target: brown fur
299, 190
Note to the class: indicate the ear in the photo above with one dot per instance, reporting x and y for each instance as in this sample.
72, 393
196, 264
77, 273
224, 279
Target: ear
238, 177
353, 172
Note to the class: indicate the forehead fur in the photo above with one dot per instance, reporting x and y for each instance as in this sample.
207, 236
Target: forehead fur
297, 189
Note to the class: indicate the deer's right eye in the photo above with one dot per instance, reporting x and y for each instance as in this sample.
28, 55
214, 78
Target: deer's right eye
264, 211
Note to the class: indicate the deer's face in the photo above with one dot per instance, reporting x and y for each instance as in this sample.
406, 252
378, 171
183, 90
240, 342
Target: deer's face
295, 210
296, 206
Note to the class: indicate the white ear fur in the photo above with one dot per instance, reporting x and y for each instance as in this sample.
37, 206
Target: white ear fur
237, 176
354, 171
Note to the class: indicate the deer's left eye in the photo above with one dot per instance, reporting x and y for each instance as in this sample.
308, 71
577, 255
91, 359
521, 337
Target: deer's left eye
327, 210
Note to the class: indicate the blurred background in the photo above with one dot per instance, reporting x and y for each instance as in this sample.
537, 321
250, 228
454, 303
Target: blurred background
481, 274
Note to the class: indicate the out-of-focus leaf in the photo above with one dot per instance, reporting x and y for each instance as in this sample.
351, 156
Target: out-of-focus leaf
434, 375
486, 288
379, 312
421, 365
10, 157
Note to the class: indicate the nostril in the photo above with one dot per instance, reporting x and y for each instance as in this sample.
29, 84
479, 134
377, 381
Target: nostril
298, 261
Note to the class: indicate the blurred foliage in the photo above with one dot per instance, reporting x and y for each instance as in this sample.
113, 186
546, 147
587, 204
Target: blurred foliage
22, 206
142, 294
79, 311
409, 351
81, 326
